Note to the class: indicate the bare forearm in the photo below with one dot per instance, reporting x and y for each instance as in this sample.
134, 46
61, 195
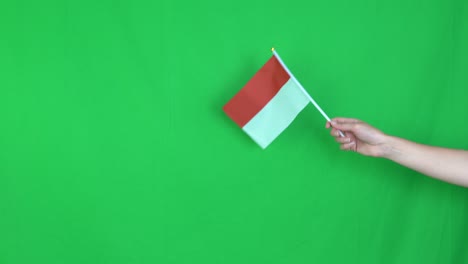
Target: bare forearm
449, 165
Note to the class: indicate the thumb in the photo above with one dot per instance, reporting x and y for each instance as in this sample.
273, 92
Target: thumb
343, 126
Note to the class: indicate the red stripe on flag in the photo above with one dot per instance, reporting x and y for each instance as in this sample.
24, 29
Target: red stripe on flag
263, 86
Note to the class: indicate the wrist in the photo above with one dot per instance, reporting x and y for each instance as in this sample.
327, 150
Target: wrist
390, 149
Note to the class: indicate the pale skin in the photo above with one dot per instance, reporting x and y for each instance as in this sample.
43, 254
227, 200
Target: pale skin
449, 165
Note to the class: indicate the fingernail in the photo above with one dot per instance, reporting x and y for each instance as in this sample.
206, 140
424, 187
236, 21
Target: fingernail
333, 122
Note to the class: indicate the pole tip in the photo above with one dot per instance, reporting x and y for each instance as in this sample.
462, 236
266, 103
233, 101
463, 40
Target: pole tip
272, 49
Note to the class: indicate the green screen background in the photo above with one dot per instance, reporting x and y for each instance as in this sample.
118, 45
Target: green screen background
114, 147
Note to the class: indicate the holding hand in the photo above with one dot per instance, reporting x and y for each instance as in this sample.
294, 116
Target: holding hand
359, 136
450, 165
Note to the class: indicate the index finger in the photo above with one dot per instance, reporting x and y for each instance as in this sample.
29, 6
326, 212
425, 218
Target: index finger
345, 120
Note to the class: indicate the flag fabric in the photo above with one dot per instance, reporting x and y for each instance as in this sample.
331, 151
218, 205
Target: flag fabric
267, 104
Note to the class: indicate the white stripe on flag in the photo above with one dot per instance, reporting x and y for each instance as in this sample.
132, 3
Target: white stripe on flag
277, 115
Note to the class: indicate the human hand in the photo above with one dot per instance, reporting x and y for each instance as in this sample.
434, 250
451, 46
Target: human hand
359, 136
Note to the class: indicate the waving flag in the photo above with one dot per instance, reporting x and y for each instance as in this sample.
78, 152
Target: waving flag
269, 102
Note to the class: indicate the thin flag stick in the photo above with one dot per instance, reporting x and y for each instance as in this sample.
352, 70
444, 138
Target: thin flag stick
302, 88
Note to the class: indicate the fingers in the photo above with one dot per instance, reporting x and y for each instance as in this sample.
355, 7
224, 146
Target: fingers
334, 132
351, 146
341, 121
348, 142
345, 120
343, 140
349, 137
345, 124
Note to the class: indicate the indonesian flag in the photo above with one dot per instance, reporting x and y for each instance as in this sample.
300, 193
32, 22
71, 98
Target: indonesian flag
268, 103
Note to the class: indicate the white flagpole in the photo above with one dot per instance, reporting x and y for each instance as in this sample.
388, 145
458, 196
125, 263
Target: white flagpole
302, 88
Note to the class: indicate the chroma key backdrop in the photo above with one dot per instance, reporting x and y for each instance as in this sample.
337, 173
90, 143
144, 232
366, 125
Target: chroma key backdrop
114, 147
